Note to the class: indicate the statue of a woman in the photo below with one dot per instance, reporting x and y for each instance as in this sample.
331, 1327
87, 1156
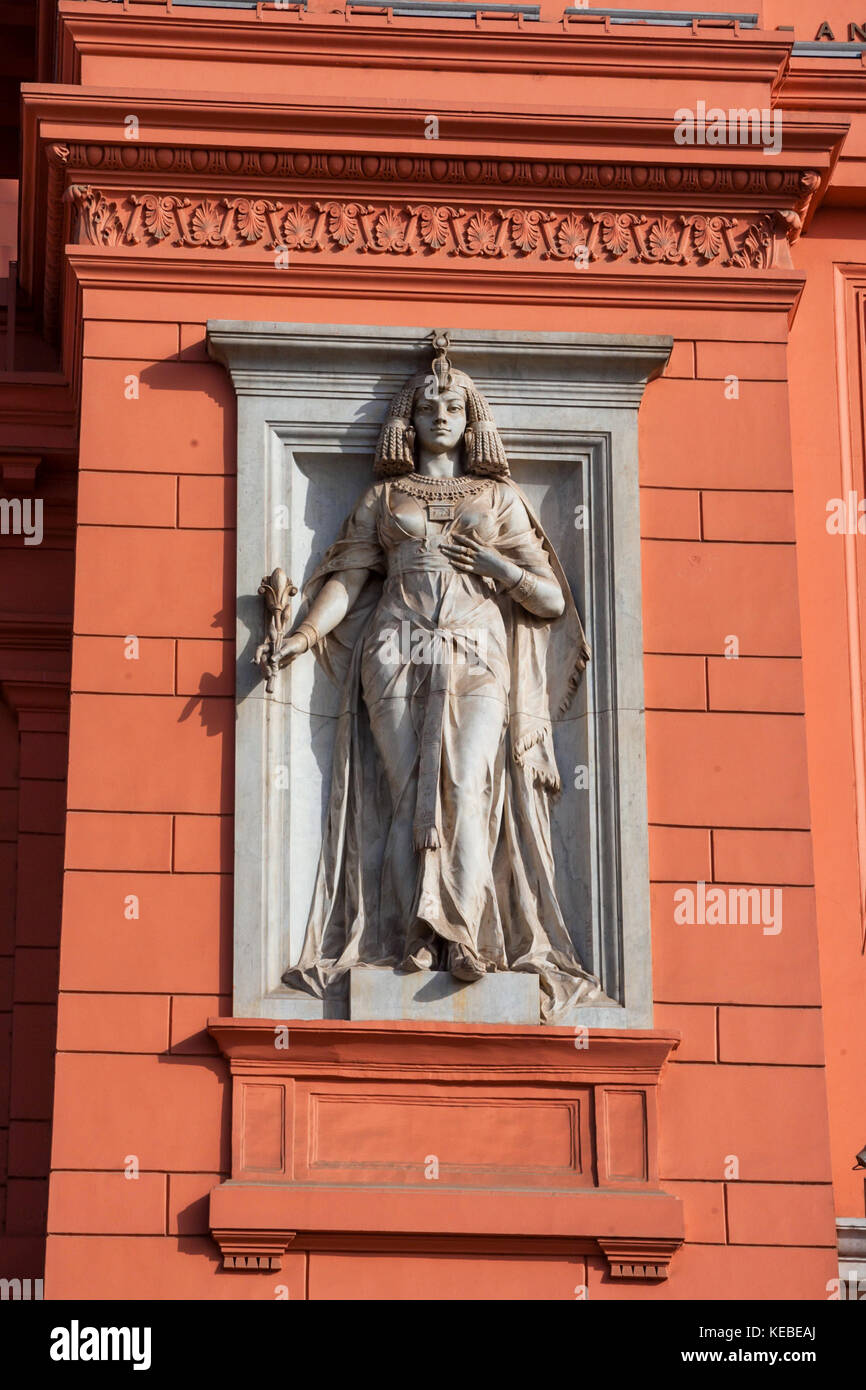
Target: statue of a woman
443, 614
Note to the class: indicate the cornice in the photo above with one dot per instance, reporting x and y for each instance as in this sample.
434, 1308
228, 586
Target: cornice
253, 164
467, 128
38, 632
820, 88
38, 410
279, 171
461, 208
219, 145
269, 358
825, 85
625, 160
494, 45
38, 698
163, 270
495, 1050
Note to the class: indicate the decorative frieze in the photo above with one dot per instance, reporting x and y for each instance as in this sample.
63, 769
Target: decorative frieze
426, 229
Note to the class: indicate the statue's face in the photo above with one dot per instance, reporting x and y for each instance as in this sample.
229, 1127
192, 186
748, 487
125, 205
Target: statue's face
440, 420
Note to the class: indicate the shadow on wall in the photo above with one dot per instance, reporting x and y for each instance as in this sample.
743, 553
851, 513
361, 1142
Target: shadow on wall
193, 380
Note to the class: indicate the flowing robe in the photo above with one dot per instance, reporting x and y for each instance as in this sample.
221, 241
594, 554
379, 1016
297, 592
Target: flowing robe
443, 740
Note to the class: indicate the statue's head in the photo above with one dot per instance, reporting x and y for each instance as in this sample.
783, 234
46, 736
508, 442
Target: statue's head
440, 408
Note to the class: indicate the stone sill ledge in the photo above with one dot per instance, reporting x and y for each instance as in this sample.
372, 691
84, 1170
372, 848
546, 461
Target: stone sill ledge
638, 1232
536, 1050
546, 1136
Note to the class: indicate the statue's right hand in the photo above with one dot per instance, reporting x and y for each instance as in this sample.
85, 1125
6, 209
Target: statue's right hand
293, 646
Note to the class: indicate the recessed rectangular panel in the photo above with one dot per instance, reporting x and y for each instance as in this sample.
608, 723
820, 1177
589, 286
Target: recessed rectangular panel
263, 1128
626, 1135
406, 1132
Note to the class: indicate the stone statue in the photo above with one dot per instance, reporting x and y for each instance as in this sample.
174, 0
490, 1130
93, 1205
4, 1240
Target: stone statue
445, 618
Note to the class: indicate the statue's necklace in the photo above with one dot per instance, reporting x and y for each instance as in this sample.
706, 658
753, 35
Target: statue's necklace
440, 495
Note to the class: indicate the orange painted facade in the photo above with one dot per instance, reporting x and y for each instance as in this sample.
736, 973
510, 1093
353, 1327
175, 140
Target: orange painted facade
116, 416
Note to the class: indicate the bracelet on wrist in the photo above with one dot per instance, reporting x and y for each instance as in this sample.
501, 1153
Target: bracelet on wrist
525, 586
310, 632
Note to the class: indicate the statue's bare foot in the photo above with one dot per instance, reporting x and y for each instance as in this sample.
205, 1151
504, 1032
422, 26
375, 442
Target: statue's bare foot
464, 964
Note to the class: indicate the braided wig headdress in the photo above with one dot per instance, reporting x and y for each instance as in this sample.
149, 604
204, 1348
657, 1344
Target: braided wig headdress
484, 452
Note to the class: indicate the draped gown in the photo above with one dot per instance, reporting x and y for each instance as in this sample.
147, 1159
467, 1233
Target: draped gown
438, 828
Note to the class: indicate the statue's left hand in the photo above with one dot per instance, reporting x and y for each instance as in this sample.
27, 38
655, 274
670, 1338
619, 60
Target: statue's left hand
470, 555
292, 647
